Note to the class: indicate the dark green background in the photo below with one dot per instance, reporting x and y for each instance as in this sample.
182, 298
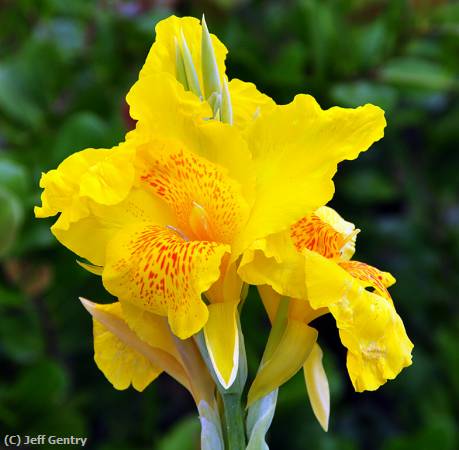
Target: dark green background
65, 67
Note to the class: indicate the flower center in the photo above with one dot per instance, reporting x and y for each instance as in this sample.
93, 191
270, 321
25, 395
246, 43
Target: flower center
200, 224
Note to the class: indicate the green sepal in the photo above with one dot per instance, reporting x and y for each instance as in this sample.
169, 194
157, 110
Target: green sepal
226, 108
180, 72
210, 76
190, 70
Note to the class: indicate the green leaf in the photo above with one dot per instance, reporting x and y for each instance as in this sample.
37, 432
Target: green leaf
359, 93
417, 73
41, 386
13, 176
14, 101
183, 436
369, 186
81, 130
11, 217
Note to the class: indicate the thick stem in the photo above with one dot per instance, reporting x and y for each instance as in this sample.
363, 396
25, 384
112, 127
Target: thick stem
234, 422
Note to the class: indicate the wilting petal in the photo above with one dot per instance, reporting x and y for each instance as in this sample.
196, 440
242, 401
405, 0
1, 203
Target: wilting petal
222, 341
161, 57
370, 276
157, 270
207, 203
88, 237
274, 261
317, 386
163, 108
287, 359
122, 356
296, 149
248, 102
370, 328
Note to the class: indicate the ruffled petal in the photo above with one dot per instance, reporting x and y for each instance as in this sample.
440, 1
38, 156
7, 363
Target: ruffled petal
101, 175
296, 149
370, 328
88, 237
370, 276
275, 261
154, 268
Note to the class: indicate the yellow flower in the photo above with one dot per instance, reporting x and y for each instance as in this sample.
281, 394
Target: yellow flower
166, 216
311, 264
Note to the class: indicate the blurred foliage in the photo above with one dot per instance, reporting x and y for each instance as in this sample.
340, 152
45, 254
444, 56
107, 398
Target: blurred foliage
65, 68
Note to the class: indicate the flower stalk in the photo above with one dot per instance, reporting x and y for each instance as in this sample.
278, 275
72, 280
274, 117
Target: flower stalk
234, 421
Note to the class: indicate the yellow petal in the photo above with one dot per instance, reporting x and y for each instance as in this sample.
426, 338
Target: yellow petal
102, 175
161, 57
207, 203
120, 363
325, 232
369, 327
270, 299
151, 328
157, 270
347, 229
88, 237
287, 359
370, 276
275, 261
317, 386
330, 216
155, 331
296, 149
222, 341
248, 103
163, 108
96, 270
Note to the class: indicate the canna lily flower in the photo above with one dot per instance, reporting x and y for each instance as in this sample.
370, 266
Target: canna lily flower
212, 168
311, 263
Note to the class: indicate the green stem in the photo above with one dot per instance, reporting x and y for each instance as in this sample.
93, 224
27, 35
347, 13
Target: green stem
234, 423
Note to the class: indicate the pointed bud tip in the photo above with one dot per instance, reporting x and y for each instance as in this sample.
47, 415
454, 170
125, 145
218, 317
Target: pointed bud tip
88, 305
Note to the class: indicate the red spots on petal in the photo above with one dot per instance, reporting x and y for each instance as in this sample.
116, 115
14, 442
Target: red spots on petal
314, 234
369, 274
182, 179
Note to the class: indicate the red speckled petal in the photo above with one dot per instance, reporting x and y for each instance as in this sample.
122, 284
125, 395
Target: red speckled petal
186, 181
154, 268
371, 276
314, 234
